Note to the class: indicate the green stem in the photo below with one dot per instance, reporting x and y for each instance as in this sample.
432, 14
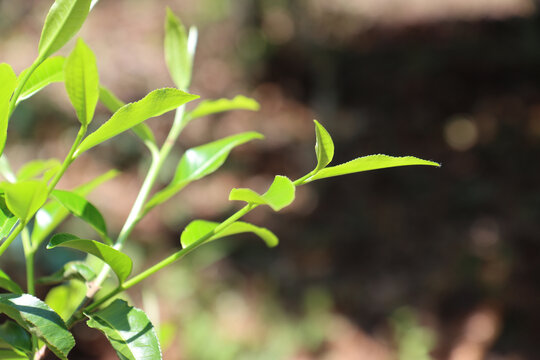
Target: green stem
20, 86
29, 253
300, 181
172, 258
69, 158
12, 237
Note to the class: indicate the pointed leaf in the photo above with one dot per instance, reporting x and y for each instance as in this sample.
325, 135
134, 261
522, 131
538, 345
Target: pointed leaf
66, 298
201, 161
367, 163
39, 319
7, 219
49, 71
63, 21
154, 104
177, 55
128, 330
83, 209
73, 270
209, 107
35, 168
53, 213
14, 335
113, 103
199, 228
279, 195
7, 284
119, 262
8, 81
82, 81
324, 147
24, 198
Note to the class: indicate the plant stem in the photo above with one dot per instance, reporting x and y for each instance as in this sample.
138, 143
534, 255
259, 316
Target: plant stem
69, 158
20, 86
12, 236
29, 253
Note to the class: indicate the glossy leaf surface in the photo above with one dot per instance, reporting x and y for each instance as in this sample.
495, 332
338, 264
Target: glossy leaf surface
82, 81
73, 270
201, 161
199, 228
7, 284
324, 146
209, 107
63, 21
7, 219
49, 71
367, 163
154, 104
129, 331
8, 82
179, 60
53, 213
39, 319
15, 336
65, 298
113, 103
119, 262
34, 169
279, 195
83, 209
24, 198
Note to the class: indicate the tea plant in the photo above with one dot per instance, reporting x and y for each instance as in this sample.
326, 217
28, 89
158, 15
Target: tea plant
31, 207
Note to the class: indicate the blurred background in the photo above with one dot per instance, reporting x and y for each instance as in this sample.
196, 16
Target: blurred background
409, 263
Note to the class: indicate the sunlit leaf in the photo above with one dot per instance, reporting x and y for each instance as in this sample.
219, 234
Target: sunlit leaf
201, 161
65, 299
177, 55
119, 262
82, 81
199, 228
113, 103
73, 270
33, 169
63, 21
209, 107
38, 319
49, 71
83, 209
12, 355
7, 284
53, 213
367, 163
129, 331
24, 198
279, 195
7, 219
324, 147
15, 336
154, 104
8, 82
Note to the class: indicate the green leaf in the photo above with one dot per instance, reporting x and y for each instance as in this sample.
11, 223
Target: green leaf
199, 162
279, 195
128, 330
7, 284
49, 71
53, 213
33, 169
209, 107
177, 54
83, 209
113, 103
73, 270
199, 228
66, 298
8, 81
14, 335
367, 163
82, 81
12, 355
63, 21
154, 104
7, 219
119, 262
38, 319
24, 198
324, 147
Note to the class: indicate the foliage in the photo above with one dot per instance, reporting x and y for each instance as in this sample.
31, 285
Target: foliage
29, 199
